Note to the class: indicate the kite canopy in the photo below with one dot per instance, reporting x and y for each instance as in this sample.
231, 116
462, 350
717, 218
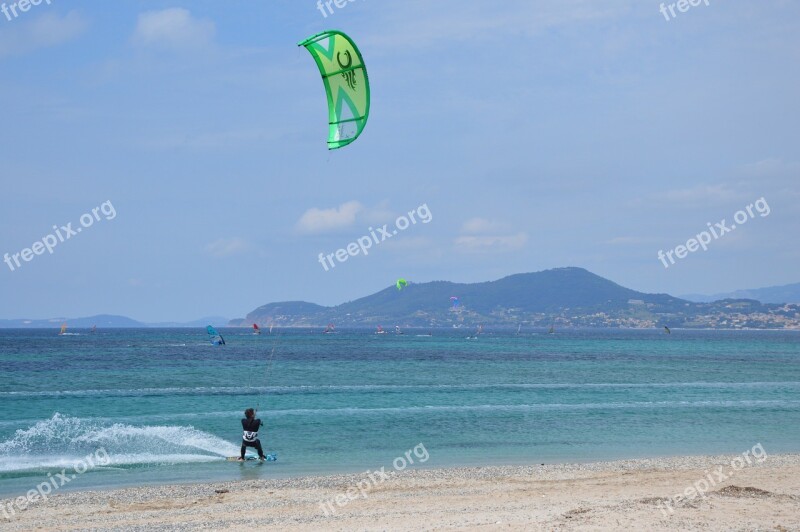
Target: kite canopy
401, 283
346, 85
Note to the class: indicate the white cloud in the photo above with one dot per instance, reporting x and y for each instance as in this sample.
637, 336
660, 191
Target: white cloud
322, 220
703, 194
490, 244
481, 235
41, 32
225, 247
173, 28
769, 168
380, 214
483, 226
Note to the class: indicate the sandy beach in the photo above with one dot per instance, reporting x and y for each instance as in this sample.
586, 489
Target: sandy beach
651, 494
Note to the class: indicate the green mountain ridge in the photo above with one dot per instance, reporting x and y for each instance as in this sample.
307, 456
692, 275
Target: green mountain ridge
571, 297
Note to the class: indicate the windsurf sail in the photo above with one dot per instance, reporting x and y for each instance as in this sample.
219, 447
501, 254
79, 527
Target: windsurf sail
256, 330
94, 328
380, 330
397, 330
331, 328
667, 329
346, 85
214, 337
63, 328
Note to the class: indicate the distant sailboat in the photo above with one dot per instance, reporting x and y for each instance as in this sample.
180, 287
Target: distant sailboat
330, 329
256, 330
270, 329
94, 329
380, 330
63, 329
214, 337
519, 328
552, 330
667, 329
397, 330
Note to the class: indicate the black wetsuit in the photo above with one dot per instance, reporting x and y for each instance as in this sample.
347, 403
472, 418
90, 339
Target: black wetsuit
250, 428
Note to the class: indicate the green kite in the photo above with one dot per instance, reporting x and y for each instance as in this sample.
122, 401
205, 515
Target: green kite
346, 85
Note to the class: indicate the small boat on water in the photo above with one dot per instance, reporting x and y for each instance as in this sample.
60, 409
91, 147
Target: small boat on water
380, 330
330, 329
256, 330
64, 332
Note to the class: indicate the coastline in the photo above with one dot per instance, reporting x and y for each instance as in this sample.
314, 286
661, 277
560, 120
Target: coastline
764, 493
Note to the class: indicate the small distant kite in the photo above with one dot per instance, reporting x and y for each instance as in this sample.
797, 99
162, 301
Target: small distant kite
346, 85
401, 283
456, 301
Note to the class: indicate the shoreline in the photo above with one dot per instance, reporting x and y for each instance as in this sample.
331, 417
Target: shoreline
638, 493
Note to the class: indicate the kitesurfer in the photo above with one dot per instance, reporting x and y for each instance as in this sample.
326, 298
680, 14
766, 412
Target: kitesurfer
250, 426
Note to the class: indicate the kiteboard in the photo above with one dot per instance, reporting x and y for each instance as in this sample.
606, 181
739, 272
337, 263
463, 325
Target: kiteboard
273, 457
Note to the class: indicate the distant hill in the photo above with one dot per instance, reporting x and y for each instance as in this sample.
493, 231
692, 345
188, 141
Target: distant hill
789, 293
571, 297
216, 321
298, 313
102, 320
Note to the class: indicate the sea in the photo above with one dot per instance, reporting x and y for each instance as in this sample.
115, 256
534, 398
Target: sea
164, 405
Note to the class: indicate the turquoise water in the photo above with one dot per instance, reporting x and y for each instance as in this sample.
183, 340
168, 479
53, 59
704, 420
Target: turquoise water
165, 404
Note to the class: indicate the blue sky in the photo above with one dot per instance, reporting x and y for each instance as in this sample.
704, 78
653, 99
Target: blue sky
540, 134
